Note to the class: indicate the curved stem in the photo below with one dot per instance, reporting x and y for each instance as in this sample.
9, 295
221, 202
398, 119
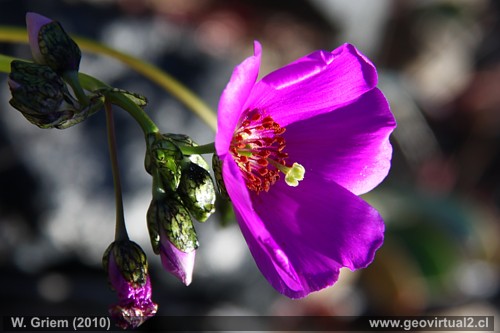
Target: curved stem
90, 83
147, 125
208, 148
5, 63
154, 73
120, 227
71, 77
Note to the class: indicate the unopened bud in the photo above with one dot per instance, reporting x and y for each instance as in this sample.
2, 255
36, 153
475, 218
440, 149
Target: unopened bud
172, 217
51, 45
162, 154
40, 94
173, 236
196, 187
197, 192
43, 97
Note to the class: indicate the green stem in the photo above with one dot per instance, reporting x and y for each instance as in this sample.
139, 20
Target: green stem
158, 187
120, 228
147, 125
208, 148
5, 63
71, 77
90, 83
154, 73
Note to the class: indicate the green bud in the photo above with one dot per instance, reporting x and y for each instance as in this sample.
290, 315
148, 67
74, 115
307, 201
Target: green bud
130, 260
217, 167
196, 187
170, 216
163, 155
43, 97
197, 192
51, 45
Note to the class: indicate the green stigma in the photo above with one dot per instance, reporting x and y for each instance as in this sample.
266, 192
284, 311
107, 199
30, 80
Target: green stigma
294, 174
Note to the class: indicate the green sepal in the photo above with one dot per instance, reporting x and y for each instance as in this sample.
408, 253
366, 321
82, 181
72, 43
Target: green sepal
43, 97
196, 187
152, 219
59, 51
217, 167
130, 260
163, 155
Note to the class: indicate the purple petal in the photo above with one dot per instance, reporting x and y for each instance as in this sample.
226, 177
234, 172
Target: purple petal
177, 262
301, 236
120, 285
234, 97
349, 146
34, 22
314, 84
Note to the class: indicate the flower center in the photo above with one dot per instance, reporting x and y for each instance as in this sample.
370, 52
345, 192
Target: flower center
258, 149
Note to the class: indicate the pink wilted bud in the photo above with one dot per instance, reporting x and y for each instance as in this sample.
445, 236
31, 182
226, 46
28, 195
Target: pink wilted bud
127, 268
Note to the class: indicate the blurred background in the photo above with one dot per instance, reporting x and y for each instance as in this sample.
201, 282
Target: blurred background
439, 65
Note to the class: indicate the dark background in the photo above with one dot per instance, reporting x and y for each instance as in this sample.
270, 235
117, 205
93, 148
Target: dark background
438, 63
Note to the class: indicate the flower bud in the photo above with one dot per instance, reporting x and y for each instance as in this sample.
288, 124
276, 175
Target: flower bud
197, 192
40, 94
51, 45
173, 236
170, 215
43, 97
163, 155
127, 268
196, 187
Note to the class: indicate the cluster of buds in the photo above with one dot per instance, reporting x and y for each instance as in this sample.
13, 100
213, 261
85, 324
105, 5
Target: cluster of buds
127, 268
39, 90
182, 189
49, 94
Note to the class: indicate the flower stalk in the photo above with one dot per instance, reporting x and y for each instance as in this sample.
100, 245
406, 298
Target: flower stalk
120, 228
117, 98
71, 77
208, 148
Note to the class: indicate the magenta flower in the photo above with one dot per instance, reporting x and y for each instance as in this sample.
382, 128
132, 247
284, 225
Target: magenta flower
297, 148
126, 265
